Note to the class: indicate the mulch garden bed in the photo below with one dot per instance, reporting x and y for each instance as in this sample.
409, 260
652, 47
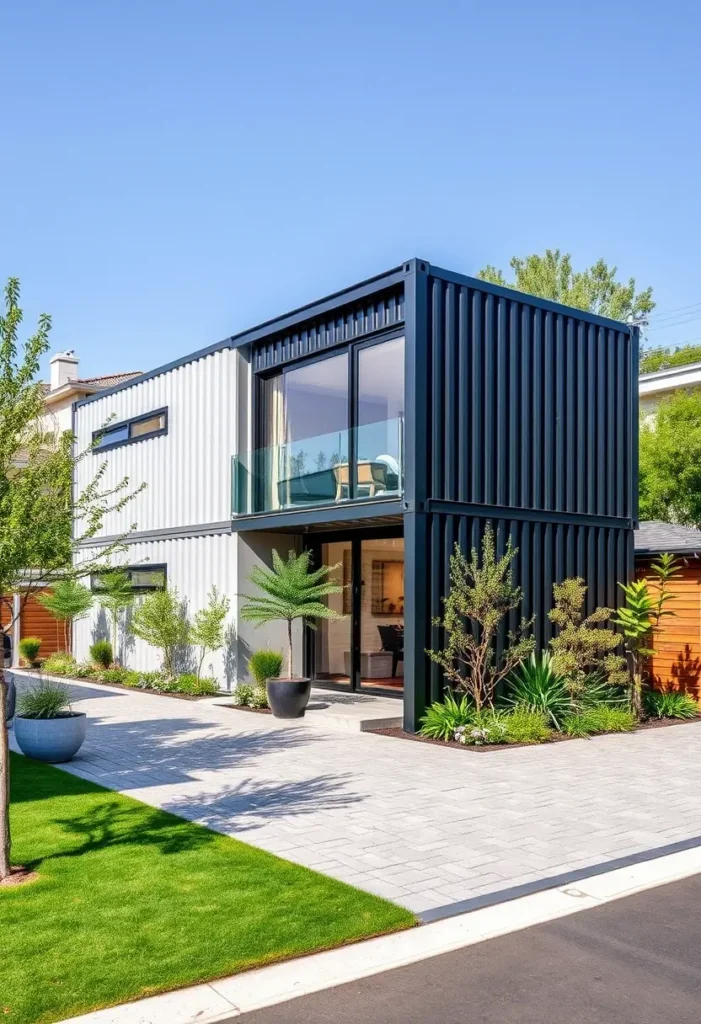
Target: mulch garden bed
485, 748
244, 707
128, 689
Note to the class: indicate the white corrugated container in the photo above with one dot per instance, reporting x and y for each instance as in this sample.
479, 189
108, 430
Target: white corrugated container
187, 471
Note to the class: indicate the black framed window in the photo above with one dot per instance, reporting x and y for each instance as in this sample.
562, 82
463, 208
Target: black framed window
144, 578
138, 428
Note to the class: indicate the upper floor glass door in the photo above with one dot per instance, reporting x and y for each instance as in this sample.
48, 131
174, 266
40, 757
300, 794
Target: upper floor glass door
330, 430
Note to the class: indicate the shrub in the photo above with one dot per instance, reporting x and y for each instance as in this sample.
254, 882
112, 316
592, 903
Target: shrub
669, 704
443, 718
190, 684
527, 725
160, 621
207, 630
265, 664
536, 685
114, 675
242, 694
258, 698
146, 680
29, 649
582, 643
46, 700
60, 664
598, 720
101, 653
487, 726
83, 670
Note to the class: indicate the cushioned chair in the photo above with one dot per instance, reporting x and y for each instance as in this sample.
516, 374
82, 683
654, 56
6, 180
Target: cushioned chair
392, 639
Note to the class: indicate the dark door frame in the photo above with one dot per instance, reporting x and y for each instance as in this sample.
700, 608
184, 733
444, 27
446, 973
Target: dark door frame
355, 537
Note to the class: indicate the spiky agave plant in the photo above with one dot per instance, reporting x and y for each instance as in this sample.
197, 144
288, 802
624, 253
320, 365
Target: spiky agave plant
291, 590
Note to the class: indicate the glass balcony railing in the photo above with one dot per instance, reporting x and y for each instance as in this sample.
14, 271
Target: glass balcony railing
348, 465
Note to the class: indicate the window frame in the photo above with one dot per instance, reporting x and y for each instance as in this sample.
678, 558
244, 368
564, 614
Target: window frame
96, 434
160, 567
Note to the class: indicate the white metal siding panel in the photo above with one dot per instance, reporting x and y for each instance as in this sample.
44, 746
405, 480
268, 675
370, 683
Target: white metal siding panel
194, 565
187, 471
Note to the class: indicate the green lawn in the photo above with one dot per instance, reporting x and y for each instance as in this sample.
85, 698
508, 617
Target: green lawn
131, 901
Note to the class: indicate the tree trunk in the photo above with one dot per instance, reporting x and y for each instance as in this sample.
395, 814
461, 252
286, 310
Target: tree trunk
637, 692
199, 667
289, 648
4, 783
115, 634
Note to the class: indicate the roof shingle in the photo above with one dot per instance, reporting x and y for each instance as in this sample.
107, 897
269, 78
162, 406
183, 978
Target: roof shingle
654, 536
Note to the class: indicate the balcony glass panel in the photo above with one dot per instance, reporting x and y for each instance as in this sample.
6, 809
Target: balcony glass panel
327, 469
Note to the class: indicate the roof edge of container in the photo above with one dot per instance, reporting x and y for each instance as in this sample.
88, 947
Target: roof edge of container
360, 290
512, 293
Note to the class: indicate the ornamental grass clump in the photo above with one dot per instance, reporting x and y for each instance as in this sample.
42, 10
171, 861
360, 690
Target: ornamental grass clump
669, 704
265, 664
45, 700
29, 649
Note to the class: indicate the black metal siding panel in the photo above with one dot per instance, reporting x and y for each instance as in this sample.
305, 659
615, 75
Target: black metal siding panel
547, 553
349, 323
529, 408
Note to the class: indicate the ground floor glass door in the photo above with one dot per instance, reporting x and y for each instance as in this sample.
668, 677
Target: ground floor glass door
363, 649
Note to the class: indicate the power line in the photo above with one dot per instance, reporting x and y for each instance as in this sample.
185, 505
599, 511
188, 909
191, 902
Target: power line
672, 313
676, 323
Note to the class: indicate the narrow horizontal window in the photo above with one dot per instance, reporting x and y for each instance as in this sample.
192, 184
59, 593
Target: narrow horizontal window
143, 578
137, 429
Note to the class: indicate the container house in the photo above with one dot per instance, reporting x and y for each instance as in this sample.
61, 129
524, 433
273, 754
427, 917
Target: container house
379, 427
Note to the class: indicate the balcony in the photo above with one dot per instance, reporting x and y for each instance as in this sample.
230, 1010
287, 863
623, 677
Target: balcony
361, 464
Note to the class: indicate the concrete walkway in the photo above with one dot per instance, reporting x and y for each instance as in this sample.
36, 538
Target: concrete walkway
424, 826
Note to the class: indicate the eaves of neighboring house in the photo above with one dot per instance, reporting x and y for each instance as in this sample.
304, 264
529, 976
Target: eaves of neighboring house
65, 387
653, 387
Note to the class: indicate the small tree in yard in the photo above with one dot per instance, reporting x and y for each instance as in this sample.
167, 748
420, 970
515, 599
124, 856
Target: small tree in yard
160, 621
582, 646
292, 590
640, 617
116, 594
482, 593
67, 602
43, 524
207, 630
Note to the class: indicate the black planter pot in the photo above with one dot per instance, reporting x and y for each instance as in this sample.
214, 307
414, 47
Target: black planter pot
288, 697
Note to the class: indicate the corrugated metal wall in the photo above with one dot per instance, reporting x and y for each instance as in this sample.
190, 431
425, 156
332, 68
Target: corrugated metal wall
528, 408
547, 553
193, 566
348, 323
187, 471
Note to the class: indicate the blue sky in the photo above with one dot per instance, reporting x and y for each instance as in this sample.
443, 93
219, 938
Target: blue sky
174, 171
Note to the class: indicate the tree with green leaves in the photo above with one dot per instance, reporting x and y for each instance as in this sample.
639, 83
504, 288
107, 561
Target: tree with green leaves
207, 629
115, 595
291, 590
582, 644
640, 617
160, 620
670, 461
653, 359
481, 595
43, 525
594, 289
67, 602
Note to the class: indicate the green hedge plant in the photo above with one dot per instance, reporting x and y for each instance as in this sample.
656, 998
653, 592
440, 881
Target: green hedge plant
29, 649
101, 653
265, 664
60, 664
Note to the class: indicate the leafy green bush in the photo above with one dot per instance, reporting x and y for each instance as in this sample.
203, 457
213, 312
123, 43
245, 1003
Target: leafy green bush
536, 685
484, 727
265, 664
527, 725
188, 683
114, 675
29, 649
84, 670
250, 696
444, 717
101, 653
669, 704
258, 698
60, 664
598, 720
46, 700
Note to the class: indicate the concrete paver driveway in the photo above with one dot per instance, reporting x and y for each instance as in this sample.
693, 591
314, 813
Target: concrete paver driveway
424, 826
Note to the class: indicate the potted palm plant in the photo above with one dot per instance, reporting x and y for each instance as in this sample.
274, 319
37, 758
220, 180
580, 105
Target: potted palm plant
290, 590
46, 727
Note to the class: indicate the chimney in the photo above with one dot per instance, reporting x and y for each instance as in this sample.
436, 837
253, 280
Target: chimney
64, 367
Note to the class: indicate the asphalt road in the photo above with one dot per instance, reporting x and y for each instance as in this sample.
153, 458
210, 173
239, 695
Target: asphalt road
633, 961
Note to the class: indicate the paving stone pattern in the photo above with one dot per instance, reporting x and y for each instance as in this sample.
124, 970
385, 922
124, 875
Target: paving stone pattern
423, 826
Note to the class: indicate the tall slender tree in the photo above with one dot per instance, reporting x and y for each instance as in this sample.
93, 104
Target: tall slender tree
42, 528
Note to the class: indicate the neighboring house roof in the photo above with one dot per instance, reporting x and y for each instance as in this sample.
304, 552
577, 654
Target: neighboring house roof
109, 381
653, 536
87, 385
669, 379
